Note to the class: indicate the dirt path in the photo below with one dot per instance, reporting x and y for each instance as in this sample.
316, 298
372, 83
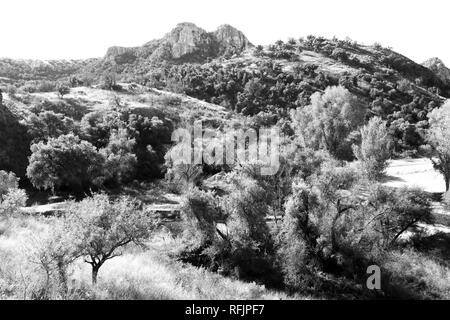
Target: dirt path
415, 173
419, 173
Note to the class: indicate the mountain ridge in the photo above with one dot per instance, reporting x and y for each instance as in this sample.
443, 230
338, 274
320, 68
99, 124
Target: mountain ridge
185, 43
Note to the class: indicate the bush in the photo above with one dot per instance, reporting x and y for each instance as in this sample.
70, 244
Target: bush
53, 252
200, 213
66, 161
48, 124
120, 161
297, 240
63, 90
11, 197
438, 137
413, 275
446, 200
375, 148
335, 222
329, 121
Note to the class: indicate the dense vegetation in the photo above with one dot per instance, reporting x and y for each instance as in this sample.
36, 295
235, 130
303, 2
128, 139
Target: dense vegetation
313, 228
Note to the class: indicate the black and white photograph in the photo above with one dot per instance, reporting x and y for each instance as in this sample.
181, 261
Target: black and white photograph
200, 151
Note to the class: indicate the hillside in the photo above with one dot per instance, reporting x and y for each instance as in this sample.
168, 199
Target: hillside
438, 67
185, 43
224, 68
13, 70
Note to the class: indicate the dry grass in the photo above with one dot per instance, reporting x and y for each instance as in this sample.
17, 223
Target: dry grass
138, 274
418, 274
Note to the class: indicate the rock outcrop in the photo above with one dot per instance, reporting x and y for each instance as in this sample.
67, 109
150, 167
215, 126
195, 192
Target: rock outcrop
229, 37
438, 67
185, 43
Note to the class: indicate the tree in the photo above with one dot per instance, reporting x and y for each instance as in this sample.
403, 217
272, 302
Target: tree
391, 212
337, 222
109, 81
11, 197
375, 148
201, 215
181, 170
48, 124
102, 228
259, 50
120, 160
438, 138
8, 180
248, 237
63, 90
54, 251
329, 121
65, 161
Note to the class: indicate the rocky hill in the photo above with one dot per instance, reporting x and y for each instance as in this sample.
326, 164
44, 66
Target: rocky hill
185, 43
222, 67
438, 67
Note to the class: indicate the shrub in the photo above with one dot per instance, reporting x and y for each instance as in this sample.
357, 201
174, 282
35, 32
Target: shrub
446, 200
66, 161
11, 197
8, 180
248, 235
375, 148
297, 241
201, 213
438, 138
48, 124
120, 161
63, 90
329, 120
53, 252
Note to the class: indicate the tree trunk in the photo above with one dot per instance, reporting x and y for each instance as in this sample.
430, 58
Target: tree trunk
447, 183
63, 277
95, 274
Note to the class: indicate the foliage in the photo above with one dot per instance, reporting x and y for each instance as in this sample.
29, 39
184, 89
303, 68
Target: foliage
53, 252
438, 137
120, 161
8, 180
48, 124
201, 214
329, 121
14, 143
66, 161
63, 90
375, 148
329, 226
102, 228
11, 197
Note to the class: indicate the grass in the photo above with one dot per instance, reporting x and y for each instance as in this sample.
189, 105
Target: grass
152, 276
138, 274
418, 275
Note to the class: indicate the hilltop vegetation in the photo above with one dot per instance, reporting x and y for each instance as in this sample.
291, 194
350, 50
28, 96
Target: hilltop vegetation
99, 134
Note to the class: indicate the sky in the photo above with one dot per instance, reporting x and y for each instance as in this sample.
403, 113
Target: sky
78, 29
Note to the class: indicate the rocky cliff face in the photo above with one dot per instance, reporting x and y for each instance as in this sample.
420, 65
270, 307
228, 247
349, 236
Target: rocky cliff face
186, 39
186, 42
229, 37
438, 67
121, 55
